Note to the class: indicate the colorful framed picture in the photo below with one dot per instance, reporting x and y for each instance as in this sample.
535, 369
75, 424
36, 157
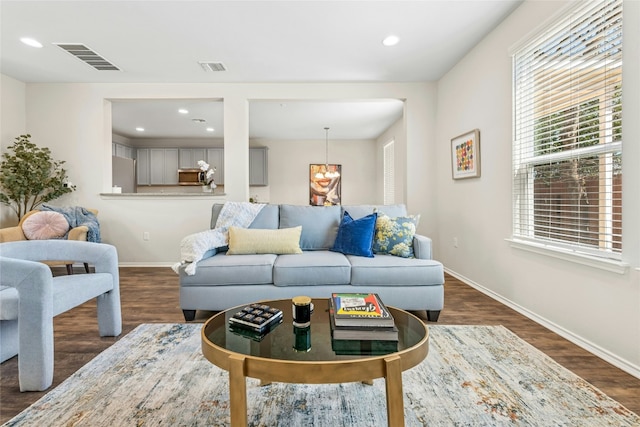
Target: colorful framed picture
325, 185
465, 155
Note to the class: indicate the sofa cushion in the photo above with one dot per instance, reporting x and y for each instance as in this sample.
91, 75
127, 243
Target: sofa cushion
389, 270
222, 269
319, 224
45, 225
358, 211
243, 241
215, 213
394, 236
355, 236
311, 268
268, 217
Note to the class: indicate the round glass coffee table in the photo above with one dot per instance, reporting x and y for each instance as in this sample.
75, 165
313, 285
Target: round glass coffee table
291, 355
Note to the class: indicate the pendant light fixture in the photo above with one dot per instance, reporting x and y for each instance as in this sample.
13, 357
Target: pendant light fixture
327, 173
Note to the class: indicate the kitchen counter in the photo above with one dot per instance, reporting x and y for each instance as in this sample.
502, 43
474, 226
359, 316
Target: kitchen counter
163, 195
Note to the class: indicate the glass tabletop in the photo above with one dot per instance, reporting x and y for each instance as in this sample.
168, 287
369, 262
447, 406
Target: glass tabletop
286, 342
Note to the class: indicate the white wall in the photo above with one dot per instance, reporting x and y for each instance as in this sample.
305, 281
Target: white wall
12, 125
289, 169
600, 310
396, 134
80, 133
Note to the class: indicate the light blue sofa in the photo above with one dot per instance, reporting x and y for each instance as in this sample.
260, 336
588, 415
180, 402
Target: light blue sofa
222, 281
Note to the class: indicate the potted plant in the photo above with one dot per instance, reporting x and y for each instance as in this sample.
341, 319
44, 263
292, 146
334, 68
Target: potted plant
206, 176
30, 177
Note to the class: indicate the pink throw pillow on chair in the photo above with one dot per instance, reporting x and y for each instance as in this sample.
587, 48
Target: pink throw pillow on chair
45, 225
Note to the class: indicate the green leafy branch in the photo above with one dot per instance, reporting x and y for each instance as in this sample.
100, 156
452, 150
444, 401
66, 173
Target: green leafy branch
30, 177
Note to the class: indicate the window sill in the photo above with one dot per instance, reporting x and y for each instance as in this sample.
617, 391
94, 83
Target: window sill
613, 266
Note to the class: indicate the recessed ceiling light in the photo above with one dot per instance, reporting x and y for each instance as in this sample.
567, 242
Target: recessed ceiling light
391, 40
31, 42
210, 129
183, 111
140, 129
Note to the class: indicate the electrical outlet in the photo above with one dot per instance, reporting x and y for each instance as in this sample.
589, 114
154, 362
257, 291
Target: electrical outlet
145, 235
455, 242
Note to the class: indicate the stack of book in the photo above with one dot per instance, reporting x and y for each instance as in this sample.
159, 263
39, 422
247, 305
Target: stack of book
255, 321
361, 325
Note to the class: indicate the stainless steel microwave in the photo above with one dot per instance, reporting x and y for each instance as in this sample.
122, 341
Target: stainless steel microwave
189, 176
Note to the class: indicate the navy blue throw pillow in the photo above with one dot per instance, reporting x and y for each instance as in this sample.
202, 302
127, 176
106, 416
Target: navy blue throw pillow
355, 236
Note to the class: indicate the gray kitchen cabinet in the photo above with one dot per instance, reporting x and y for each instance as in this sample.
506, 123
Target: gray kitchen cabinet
159, 166
156, 166
258, 166
170, 166
198, 154
163, 166
142, 166
185, 159
215, 158
188, 157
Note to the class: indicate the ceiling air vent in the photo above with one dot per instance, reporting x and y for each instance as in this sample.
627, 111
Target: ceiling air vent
212, 66
87, 56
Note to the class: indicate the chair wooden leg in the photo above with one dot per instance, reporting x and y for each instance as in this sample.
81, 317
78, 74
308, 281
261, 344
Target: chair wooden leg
69, 268
86, 267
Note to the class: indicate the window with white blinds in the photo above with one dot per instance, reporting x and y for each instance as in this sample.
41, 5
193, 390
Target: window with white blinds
567, 148
389, 177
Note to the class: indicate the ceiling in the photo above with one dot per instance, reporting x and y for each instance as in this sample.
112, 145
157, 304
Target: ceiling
256, 41
291, 120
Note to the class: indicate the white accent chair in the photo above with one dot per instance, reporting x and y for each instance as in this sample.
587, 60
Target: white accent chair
30, 296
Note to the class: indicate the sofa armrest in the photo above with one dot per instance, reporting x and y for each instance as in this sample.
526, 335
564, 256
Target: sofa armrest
11, 234
211, 252
422, 247
78, 233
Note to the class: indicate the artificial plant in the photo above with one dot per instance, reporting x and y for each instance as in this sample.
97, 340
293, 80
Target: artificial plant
30, 177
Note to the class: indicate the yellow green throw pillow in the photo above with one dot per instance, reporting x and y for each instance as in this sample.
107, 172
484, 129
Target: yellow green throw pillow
245, 241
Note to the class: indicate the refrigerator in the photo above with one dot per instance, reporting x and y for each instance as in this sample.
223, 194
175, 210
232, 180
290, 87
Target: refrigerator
124, 174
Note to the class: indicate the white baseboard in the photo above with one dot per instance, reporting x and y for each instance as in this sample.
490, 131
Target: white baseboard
596, 350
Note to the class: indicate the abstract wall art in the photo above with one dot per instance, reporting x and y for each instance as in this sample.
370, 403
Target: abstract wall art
465, 155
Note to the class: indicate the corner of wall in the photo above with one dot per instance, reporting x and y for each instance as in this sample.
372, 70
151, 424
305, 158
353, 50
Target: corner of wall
13, 109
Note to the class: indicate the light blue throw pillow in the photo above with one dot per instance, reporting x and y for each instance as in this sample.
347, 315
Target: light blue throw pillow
355, 237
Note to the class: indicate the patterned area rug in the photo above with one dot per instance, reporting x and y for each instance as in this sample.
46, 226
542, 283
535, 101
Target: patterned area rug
473, 376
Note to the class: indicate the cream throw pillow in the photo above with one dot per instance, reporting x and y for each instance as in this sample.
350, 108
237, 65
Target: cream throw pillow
245, 241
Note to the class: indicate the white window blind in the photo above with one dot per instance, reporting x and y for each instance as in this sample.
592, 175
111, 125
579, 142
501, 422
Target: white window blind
389, 177
567, 148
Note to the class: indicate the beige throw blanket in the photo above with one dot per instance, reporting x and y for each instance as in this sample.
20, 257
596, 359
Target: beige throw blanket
194, 246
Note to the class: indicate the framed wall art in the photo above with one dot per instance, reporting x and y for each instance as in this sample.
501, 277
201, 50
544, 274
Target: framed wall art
325, 184
465, 155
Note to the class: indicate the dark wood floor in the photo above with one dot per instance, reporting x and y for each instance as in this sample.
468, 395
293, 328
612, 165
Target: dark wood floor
150, 295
